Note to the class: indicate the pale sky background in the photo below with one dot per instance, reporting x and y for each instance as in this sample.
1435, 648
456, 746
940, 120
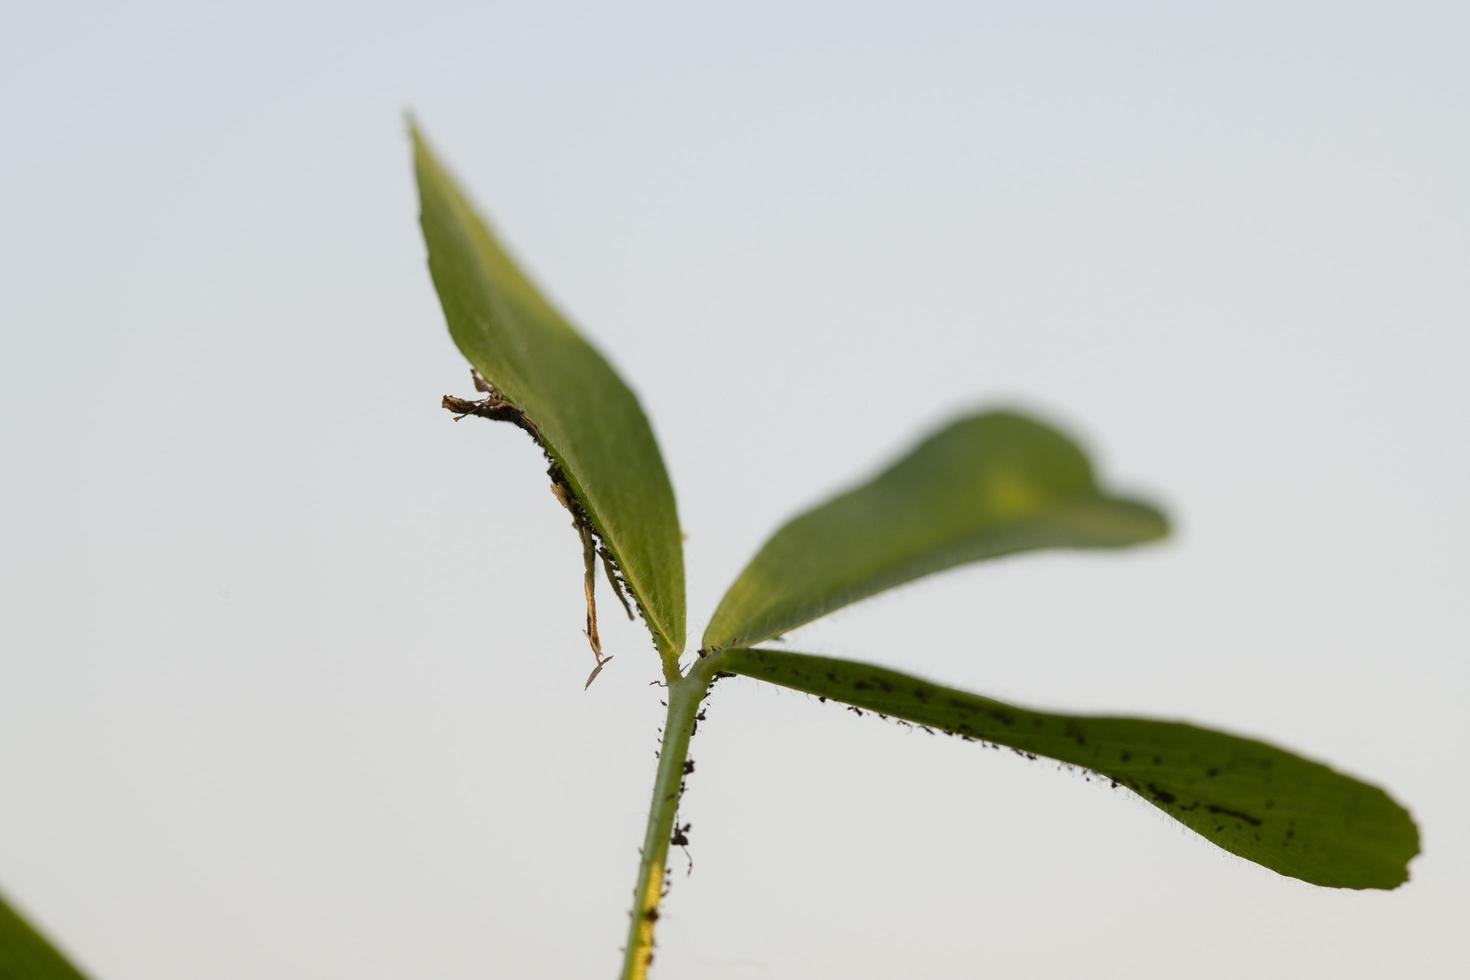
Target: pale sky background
290, 670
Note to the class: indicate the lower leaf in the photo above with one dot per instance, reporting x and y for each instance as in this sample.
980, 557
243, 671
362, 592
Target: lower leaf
1279, 810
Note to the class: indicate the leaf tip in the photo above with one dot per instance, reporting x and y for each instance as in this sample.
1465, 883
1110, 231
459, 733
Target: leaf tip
1157, 525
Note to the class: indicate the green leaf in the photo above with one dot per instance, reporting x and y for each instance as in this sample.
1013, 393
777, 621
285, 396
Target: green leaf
984, 486
1289, 814
589, 421
26, 955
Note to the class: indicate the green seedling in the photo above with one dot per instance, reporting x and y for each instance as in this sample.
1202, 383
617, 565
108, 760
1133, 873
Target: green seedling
986, 485
990, 484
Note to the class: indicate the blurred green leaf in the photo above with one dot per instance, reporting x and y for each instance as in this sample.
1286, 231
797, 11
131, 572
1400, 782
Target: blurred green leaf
26, 955
987, 485
1291, 815
589, 420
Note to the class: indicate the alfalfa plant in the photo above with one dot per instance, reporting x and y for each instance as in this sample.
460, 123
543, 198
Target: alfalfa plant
986, 485
983, 486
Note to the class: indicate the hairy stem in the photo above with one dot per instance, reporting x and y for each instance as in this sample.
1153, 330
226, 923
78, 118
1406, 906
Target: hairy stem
685, 696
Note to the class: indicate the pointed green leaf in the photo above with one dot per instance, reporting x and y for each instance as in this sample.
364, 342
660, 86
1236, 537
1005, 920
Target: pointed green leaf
1289, 814
984, 486
589, 420
26, 955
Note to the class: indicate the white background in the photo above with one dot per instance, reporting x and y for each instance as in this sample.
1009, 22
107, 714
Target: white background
290, 670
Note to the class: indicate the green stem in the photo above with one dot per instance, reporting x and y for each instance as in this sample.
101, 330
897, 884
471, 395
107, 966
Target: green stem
685, 696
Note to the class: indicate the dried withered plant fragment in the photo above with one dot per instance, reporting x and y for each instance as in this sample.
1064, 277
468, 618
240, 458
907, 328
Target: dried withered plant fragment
496, 407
